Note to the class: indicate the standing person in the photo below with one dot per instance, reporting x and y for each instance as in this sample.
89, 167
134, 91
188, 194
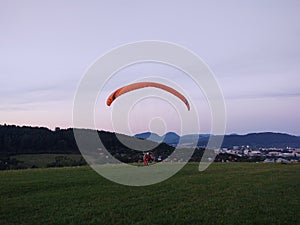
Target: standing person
152, 157
146, 159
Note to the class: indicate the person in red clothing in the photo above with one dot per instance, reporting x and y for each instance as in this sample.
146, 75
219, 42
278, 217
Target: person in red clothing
146, 159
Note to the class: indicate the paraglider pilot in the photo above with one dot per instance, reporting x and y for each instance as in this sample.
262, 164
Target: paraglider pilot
146, 159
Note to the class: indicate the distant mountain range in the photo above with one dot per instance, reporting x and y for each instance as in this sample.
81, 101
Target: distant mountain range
255, 140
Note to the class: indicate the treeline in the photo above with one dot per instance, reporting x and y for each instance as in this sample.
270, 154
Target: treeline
34, 140
16, 140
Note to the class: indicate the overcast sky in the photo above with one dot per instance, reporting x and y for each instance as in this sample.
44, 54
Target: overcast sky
252, 47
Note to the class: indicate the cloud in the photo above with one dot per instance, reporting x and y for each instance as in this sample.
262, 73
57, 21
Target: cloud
264, 95
30, 97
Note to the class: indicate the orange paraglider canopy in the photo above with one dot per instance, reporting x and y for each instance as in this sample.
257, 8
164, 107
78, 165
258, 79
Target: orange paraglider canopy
138, 85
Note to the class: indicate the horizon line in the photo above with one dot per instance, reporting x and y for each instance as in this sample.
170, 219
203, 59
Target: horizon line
226, 134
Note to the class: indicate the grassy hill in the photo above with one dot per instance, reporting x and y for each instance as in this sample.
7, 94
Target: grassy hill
232, 193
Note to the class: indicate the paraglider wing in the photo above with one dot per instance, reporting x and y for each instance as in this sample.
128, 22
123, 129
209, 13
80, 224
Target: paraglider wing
131, 87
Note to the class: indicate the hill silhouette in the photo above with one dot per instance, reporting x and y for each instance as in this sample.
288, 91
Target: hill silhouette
255, 140
15, 140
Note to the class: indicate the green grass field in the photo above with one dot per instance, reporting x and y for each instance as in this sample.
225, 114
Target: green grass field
42, 160
232, 193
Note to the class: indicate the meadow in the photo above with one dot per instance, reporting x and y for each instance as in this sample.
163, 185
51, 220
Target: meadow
226, 193
44, 160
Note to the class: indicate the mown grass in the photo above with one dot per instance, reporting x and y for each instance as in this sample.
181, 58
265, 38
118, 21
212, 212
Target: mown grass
232, 193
